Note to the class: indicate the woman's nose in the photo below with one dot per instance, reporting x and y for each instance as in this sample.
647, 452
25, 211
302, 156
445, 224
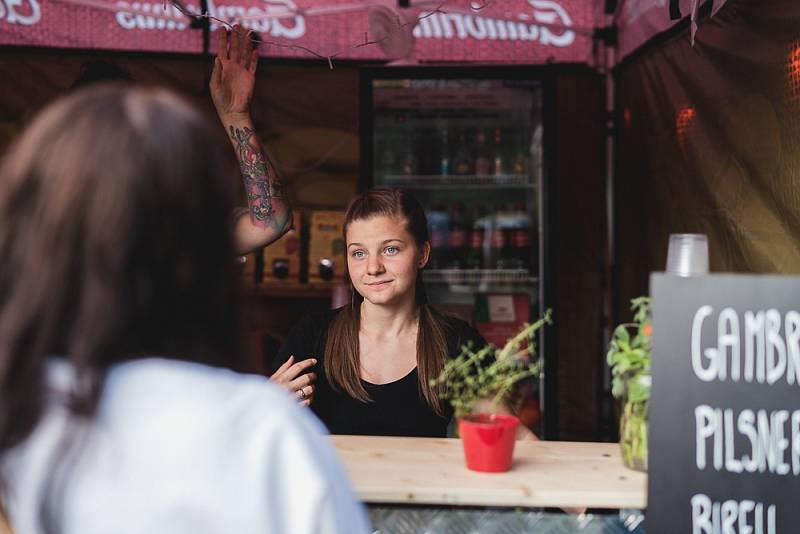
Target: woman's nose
374, 264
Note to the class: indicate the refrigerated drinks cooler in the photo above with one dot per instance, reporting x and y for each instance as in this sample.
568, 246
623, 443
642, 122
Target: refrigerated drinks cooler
468, 143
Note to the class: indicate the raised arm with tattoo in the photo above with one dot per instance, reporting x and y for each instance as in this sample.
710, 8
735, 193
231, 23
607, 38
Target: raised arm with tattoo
268, 215
264, 193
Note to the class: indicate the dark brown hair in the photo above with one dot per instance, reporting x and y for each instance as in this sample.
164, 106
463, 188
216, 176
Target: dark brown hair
342, 354
115, 243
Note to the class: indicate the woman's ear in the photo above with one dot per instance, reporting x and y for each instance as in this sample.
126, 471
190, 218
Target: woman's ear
425, 253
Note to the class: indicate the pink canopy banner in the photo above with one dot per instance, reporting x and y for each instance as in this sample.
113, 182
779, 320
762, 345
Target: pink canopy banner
510, 31
640, 20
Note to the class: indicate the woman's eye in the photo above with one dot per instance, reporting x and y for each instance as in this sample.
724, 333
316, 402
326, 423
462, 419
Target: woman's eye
391, 250
358, 254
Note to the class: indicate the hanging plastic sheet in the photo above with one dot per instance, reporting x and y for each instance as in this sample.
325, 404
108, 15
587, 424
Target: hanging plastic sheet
640, 20
709, 142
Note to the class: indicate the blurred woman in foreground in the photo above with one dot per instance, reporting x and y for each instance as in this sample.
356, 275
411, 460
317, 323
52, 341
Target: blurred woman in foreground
118, 318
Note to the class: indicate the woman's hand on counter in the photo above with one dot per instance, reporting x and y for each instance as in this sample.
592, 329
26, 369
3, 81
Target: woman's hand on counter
292, 377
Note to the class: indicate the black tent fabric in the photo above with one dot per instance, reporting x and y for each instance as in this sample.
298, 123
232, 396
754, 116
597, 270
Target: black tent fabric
709, 142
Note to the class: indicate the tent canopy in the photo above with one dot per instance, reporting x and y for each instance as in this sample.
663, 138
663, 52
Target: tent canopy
507, 31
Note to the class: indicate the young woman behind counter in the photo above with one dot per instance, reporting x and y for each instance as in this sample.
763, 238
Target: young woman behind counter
365, 368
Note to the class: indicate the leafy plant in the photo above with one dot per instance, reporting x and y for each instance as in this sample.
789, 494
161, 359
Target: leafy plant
629, 358
490, 372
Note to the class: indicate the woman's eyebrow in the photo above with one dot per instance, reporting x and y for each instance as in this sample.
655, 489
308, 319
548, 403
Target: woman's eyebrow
382, 242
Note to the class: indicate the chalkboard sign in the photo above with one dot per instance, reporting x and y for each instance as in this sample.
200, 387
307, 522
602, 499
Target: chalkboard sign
724, 454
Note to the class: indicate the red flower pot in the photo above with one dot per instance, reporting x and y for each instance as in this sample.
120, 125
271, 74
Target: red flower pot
488, 441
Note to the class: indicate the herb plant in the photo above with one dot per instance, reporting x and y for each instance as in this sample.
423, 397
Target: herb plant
490, 372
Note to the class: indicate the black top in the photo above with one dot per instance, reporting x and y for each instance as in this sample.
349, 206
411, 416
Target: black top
397, 408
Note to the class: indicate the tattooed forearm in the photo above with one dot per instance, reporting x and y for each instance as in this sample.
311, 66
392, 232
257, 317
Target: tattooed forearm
264, 192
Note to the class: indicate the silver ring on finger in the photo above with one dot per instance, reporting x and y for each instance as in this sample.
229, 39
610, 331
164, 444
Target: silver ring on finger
302, 393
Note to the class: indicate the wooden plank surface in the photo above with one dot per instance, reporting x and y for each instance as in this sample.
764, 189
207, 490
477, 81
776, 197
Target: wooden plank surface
545, 473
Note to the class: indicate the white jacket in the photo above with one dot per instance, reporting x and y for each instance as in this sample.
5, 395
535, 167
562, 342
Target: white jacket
181, 448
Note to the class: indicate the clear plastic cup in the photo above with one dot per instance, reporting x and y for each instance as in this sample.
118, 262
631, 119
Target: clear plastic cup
687, 254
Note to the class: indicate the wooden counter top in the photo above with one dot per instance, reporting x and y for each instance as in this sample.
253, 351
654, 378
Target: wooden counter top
545, 473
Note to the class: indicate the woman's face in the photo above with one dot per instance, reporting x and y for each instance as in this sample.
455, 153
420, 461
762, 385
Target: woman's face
383, 259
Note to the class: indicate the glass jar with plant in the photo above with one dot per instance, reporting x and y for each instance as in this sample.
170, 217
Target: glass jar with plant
629, 359
489, 373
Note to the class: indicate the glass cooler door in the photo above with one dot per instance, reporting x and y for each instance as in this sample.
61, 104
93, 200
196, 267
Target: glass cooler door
470, 149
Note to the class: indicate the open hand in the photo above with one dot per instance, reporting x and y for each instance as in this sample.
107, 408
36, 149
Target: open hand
234, 74
292, 377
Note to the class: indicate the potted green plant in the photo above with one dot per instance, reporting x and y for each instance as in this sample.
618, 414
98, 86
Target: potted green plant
489, 373
629, 359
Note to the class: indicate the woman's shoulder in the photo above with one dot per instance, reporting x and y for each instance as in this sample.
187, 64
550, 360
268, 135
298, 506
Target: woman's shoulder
156, 396
307, 338
459, 332
163, 394
312, 328
169, 380
315, 323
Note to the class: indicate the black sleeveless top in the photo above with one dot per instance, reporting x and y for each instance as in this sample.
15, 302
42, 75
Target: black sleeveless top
396, 409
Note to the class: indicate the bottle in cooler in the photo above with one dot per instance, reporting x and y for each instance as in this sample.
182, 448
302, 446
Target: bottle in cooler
519, 165
521, 238
501, 246
408, 162
499, 163
444, 160
477, 234
463, 163
457, 242
482, 159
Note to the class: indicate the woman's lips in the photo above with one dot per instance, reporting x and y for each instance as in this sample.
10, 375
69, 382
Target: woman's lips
378, 284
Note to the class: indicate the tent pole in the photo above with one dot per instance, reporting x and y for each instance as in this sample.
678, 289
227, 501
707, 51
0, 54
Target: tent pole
607, 426
607, 38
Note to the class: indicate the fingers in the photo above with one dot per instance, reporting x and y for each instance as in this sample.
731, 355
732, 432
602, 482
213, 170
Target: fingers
247, 44
302, 381
242, 48
295, 370
304, 392
292, 373
285, 365
301, 366
236, 43
222, 43
305, 395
